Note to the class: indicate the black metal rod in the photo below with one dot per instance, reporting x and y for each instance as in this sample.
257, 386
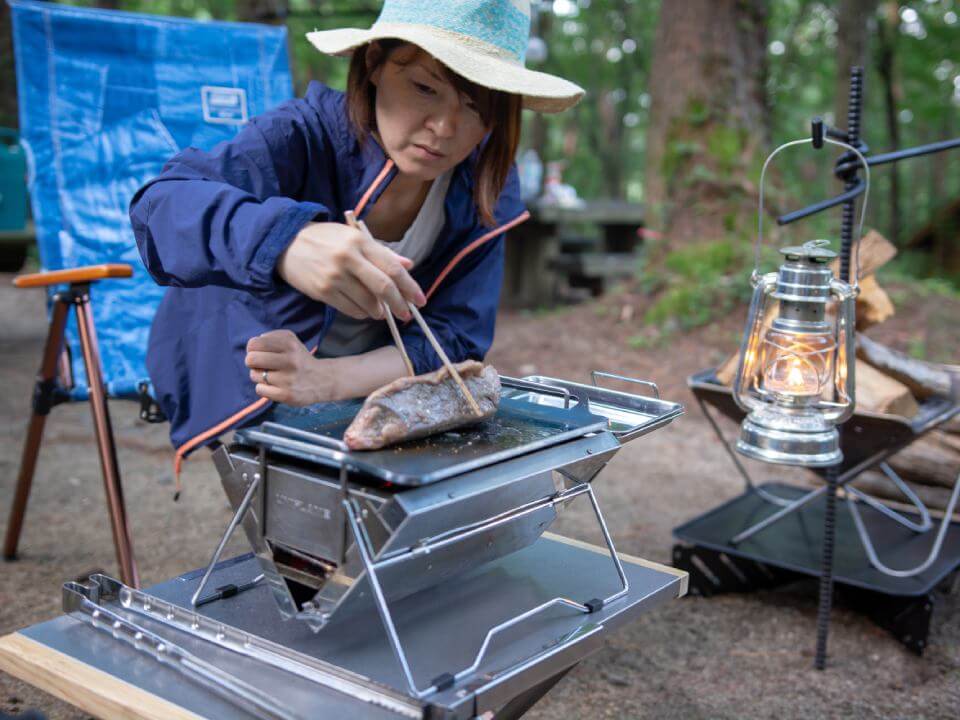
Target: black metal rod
843, 197
850, 206
825, 605
905, 154
837, 134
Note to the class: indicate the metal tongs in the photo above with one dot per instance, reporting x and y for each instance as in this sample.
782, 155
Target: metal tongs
358, 224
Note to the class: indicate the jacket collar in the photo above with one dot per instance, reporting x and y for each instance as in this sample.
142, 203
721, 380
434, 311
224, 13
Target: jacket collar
375, 175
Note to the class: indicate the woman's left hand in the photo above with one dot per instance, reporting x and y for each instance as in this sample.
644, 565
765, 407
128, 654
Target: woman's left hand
285, 371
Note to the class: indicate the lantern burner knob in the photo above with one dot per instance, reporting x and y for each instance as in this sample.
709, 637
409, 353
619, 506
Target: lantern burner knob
813, 251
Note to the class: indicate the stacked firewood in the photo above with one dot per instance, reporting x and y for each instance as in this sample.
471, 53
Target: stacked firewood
889, 382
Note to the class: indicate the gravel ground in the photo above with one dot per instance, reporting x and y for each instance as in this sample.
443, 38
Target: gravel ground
727, 657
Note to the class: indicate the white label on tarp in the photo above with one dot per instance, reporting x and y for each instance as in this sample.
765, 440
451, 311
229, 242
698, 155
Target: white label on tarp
224, 105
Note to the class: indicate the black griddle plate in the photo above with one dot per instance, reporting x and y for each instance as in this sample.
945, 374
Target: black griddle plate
519, 427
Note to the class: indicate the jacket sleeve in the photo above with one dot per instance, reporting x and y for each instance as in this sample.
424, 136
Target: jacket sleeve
224, 217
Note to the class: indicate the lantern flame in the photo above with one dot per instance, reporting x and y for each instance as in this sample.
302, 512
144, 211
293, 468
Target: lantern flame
795, 376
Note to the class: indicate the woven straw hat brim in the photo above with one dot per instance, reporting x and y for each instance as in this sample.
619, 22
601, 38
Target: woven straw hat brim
475, 60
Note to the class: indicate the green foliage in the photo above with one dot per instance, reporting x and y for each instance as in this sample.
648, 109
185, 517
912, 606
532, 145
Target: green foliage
676, 155
701, 282
698, 113
725, 145
701, 262
644, 342
801, 84
700, 173
606, 46
918, 271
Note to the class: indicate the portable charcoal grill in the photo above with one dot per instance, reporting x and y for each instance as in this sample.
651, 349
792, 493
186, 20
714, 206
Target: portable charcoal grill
443, 540
425, 510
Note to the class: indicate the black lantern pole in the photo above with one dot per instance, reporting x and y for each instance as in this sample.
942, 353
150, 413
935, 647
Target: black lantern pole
825, 604
846, 169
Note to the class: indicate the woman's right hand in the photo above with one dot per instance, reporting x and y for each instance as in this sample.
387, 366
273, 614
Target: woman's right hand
337, 265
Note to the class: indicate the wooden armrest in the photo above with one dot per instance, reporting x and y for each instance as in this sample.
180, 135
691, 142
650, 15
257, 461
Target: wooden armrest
89, 273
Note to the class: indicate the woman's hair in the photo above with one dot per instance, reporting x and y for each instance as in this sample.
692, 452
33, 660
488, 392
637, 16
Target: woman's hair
500, 112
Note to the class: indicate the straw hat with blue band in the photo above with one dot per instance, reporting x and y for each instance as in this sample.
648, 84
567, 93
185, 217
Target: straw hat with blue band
485, 41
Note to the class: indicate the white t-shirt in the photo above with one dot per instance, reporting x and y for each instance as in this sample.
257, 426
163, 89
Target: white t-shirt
348, 336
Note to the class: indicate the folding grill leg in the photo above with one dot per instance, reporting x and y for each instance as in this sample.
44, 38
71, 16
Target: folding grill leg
352, 514
38, 418
234, 521
105, 443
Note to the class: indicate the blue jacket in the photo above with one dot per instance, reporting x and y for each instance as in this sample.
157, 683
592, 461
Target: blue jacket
213, 224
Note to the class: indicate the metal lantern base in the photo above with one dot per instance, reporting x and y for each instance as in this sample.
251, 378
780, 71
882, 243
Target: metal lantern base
791, 550
799, 439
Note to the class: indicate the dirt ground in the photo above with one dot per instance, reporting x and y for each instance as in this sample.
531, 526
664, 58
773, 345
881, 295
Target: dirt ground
727, 657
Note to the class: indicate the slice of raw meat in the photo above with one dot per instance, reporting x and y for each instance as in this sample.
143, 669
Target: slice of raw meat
415, 407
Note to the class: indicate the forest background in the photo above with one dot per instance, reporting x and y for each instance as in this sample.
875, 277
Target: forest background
685, 100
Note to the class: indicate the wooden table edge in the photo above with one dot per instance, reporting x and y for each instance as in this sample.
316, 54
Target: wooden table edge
81, 685
683, 575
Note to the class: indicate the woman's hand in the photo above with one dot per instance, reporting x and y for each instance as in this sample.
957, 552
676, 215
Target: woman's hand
337, 265
285, 371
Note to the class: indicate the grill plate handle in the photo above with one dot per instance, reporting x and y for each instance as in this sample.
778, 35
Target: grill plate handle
543, 389
613, 376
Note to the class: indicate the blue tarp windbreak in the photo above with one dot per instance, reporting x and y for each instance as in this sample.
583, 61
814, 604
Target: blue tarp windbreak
106, 98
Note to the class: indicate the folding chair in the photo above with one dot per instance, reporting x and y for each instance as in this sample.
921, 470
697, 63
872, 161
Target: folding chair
105, 99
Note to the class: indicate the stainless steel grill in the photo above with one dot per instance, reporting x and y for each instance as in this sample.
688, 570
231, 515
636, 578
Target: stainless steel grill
443, 539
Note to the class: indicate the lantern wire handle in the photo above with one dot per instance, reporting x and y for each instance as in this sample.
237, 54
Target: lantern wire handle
863, 207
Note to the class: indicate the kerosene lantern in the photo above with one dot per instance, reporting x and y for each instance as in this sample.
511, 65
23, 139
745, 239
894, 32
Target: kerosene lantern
795, 376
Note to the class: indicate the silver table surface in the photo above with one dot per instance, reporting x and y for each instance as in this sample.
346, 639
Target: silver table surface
442, 629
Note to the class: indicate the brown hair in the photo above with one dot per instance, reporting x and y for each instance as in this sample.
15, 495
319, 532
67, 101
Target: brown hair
500, 112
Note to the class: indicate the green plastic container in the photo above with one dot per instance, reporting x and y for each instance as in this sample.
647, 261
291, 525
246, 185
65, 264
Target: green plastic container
13, 182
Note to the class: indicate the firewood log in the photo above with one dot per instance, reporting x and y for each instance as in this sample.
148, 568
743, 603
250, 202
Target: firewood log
927, 462
945, 440
880, 393
924, 379
875, 252
728, 371
873, 304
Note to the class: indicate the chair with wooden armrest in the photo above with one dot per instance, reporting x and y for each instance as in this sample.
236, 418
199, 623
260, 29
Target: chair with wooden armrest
53, 386
105, 99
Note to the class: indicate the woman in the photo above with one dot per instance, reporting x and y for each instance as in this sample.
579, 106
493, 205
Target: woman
273, 297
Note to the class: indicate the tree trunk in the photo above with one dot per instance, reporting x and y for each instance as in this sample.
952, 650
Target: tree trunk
887, 31
855, 20
939, 162
708, 120
272, 12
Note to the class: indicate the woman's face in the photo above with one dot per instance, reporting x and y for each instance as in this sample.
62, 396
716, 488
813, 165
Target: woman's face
425, 124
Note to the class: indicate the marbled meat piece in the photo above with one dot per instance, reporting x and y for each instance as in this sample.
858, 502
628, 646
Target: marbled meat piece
415, 407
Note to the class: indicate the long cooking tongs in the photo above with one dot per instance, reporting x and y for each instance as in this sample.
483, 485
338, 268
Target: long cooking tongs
358, 224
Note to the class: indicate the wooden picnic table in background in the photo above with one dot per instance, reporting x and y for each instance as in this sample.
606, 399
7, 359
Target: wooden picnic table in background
542, 250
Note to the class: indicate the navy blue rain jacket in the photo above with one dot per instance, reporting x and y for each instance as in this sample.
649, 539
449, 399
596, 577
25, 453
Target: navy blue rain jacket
213, 224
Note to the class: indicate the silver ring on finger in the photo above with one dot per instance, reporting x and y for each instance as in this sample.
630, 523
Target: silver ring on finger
264, 378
